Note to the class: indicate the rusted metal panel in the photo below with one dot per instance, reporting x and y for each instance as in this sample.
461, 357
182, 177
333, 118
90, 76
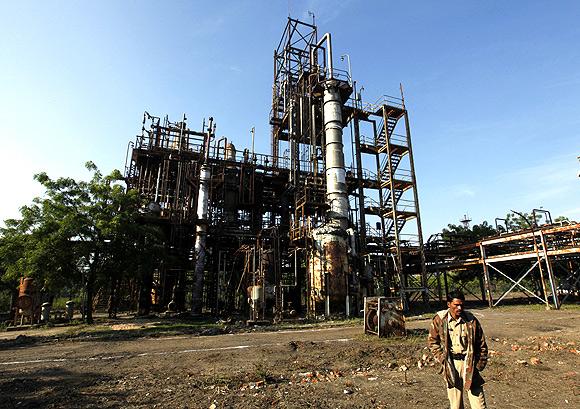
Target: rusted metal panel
316, 277
383, 316
328, 266
337, 267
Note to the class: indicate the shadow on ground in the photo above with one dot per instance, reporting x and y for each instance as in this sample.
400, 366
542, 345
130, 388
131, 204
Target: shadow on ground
55, 388
130, 329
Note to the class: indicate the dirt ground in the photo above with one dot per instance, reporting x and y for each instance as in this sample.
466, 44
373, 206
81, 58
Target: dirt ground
534, 363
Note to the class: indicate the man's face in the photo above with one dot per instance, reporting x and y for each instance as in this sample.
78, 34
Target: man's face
455, 307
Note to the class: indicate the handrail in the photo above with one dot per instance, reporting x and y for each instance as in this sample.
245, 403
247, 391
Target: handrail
383, 100
372, 232
403, 175
379, 140
371, 201
409, 240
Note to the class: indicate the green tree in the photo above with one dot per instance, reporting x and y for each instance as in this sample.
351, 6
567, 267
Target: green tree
79, 233
520, 220
562, 219
456, 234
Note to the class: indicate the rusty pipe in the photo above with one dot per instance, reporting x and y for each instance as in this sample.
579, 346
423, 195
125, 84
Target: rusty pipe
326, 37
217, 146
546, 214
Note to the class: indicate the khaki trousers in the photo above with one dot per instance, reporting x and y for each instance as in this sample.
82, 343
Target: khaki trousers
475, 395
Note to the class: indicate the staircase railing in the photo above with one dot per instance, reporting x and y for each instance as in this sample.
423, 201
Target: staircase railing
383, 100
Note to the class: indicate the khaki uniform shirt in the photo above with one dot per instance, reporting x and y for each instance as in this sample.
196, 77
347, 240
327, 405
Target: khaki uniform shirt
457, 334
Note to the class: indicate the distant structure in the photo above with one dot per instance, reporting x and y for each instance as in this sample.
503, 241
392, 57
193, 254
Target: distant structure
465, 221
546, 255
298, 230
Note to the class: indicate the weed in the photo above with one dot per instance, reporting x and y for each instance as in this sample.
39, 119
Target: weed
261, 371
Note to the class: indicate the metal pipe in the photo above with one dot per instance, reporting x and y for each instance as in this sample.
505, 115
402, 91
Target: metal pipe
547, 214
359, 171
254, 309
325, 37
130, 145
550, 271
497, 226
327, 297
202, 226
157, 184
295, 267
292, 143
177, 194
181, 132
347, 297
336, 191
217, 146
209, 136
253, 131
349, 68
486, 276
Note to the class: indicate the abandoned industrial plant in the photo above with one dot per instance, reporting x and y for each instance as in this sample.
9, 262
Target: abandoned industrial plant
254, 228
294, 231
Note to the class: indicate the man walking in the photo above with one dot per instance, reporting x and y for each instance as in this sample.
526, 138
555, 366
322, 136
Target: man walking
457, 341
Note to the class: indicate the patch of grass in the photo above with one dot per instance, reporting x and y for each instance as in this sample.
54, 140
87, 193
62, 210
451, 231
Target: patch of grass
59, 303
176, 326
142, 329
219, 380
84, 329
346, 322
536, 307
571, 307
261, 372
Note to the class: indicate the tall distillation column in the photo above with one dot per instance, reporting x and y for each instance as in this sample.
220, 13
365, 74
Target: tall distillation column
329, 261
336, 192
202, 224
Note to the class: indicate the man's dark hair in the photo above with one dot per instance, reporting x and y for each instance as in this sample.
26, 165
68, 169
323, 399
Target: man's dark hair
455, 294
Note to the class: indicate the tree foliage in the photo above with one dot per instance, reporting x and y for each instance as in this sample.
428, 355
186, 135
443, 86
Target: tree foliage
455, 235
562, 219
460, 234
80, 234
520, 221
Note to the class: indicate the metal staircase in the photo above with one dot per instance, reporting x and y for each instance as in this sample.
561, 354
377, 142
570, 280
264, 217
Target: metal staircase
402, 247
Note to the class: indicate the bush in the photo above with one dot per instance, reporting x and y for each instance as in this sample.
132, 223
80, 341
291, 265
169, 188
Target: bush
5, 299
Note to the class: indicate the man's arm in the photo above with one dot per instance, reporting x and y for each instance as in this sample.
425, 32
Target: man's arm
434, 340
480, 348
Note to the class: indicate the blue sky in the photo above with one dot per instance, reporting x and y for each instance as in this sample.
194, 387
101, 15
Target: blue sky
493, 88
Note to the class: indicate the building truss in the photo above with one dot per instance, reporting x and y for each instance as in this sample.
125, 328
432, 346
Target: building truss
543, 262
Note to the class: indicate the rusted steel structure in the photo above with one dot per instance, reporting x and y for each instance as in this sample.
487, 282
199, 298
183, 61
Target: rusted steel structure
27, 308
542, 262
330, 216
384, 238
